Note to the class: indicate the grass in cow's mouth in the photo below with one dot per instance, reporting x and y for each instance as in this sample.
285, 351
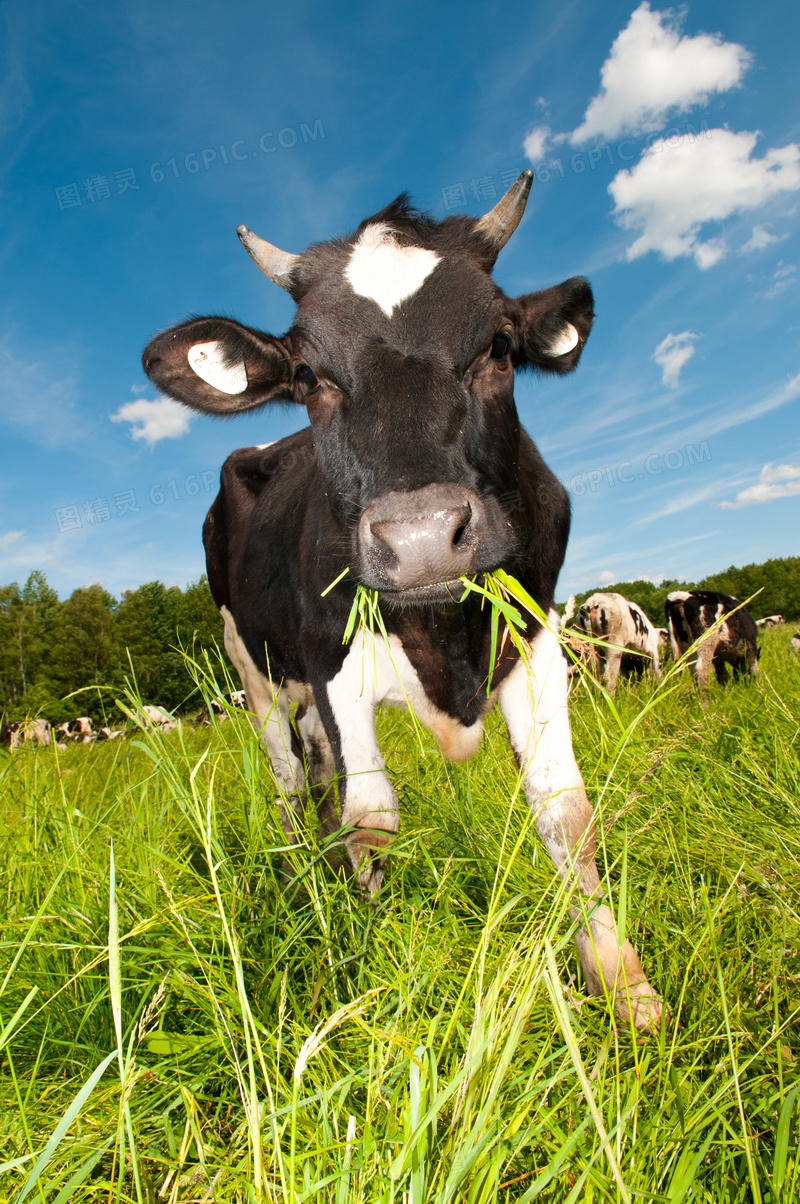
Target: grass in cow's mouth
498, 589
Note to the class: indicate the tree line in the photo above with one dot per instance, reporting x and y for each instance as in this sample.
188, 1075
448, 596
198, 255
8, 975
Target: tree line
51, 648
778, 581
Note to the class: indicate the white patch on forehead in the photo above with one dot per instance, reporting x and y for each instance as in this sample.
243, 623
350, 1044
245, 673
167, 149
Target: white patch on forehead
207, 360
385, 272
565, 341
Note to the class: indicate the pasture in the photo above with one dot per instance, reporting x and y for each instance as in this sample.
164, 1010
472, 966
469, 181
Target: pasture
291, 1043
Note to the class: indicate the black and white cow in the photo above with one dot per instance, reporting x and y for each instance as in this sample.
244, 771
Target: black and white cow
28, 731
626, 629
414, 472
692, 613
770, 621
77, 731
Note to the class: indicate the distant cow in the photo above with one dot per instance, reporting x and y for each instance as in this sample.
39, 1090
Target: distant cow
78, 731
794, 643
219, 710
626, 628
157, 717
770, 621
108, 733
691, 613
31, 731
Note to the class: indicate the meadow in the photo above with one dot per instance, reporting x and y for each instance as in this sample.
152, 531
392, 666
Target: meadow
182, 1021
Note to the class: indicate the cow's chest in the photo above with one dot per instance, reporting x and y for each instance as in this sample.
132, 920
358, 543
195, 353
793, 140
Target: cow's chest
381, 674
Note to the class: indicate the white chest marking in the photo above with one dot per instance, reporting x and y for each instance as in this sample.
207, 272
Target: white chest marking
385, 272
376, 674
208, 361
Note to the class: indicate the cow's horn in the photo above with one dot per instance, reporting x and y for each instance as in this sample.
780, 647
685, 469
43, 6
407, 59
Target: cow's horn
275, 264
500, 223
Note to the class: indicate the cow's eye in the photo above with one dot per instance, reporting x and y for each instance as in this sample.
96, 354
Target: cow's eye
305, 376
501, 345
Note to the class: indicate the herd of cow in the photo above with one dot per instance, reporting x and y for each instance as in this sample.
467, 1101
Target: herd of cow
622, 641
33, 732
628, 643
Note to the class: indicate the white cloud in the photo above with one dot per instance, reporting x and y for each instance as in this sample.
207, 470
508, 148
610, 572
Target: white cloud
678, 502
672, 353
761, 238
535, 142
652, 71
154, 420
606, 577
785, 274
775, 480
9, 538
675, 189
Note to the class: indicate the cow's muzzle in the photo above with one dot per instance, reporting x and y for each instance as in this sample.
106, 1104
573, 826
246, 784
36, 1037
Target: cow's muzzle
419, 543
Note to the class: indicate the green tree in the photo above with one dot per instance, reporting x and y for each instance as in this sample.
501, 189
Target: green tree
87, 652
148, 631
29, 625
200, 626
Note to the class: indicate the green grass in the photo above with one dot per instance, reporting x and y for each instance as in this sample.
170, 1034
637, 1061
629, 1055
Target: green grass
255, 1041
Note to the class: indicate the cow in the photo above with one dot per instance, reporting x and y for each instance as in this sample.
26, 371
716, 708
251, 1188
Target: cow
630, 642
156, 717
770, 621
402, 351
732, 639
29, 731
220, 710
794, 643
108, 733
77, 731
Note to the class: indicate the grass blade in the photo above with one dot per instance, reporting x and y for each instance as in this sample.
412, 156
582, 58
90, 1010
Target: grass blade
62, 1126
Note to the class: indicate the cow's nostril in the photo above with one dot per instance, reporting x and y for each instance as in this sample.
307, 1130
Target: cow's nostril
382, 553
459, 535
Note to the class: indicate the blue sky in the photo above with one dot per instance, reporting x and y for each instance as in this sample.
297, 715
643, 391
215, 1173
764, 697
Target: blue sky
671, 179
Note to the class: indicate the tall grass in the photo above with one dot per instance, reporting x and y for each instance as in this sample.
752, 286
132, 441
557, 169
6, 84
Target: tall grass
177, 1024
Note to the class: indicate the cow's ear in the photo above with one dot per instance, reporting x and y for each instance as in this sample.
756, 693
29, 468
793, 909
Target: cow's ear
218, 366
553, 325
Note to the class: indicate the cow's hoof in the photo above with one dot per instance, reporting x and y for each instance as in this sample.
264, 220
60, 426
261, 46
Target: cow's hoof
641, 1005
367, 849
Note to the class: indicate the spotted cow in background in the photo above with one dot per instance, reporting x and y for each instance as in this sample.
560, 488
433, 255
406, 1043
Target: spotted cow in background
623, 625
692, 613
157, 717
30, 731
77, 731
403, 351
770, 621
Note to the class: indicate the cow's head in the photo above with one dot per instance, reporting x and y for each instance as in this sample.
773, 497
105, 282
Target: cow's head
403, 351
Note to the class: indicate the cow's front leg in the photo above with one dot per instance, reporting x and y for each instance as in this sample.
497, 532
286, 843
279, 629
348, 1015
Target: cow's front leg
367, 801
701, 668
613, 665
268, 708
321, 766
533, 700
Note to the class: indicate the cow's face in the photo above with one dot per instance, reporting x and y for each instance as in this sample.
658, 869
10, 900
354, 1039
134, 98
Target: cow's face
403, 351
